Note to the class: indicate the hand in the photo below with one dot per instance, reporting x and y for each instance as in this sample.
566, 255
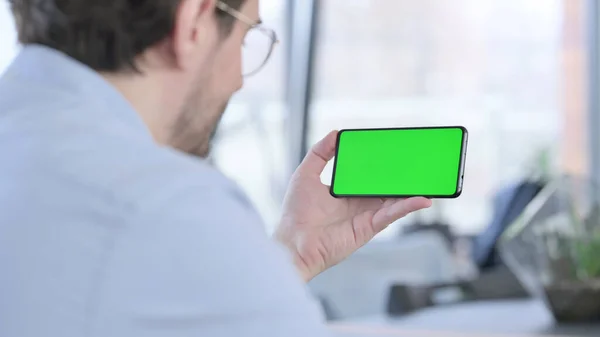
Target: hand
321, 230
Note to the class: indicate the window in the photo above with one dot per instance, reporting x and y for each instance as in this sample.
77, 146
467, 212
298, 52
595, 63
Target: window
494, 66
8, 38
250, 146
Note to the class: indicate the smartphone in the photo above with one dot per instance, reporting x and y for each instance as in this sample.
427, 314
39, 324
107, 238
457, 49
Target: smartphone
400, 162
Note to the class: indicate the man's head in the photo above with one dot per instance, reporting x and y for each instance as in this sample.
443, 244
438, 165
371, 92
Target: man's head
177, 61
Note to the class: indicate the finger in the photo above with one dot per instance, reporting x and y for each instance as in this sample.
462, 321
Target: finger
390, 202
319, 155
397, 210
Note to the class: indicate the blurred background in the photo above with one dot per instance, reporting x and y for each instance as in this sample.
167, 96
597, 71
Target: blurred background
521, 75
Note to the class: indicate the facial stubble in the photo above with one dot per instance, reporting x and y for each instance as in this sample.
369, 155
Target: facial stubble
195, 128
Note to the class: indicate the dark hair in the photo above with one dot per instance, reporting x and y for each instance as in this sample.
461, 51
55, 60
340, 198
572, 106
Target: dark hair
106, 35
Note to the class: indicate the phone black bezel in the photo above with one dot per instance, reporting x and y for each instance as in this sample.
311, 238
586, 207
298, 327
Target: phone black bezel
461, 169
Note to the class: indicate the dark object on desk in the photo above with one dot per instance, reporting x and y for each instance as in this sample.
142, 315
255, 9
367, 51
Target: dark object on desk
496, 280
574, 303
405, 299
495, 284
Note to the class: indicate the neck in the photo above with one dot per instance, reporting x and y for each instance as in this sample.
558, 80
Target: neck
146, 99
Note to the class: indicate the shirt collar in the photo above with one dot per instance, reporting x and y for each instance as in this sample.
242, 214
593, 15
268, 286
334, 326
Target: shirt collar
48, 67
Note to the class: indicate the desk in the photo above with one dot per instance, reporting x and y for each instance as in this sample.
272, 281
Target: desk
514, 318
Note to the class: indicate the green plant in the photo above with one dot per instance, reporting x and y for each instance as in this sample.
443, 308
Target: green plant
587, 256
541, 164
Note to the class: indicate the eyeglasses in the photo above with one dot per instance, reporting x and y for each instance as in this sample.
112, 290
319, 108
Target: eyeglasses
259, 41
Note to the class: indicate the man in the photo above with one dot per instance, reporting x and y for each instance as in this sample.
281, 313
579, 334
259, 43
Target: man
111, 223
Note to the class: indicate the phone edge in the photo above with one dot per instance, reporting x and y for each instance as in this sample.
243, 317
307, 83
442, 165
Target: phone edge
335, 161
462, 163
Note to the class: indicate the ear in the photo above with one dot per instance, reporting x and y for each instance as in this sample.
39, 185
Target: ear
194, 28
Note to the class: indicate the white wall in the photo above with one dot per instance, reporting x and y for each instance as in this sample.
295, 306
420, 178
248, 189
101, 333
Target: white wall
8, 36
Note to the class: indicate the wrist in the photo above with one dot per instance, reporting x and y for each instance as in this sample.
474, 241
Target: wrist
299, 263
302, 268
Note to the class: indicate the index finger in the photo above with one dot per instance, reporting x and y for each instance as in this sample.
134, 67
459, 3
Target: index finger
319, 155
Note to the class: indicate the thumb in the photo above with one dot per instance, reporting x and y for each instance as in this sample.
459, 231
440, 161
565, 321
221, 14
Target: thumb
319, 155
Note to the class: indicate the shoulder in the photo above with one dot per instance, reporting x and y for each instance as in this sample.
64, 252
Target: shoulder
190, 195
168, 177
194, 252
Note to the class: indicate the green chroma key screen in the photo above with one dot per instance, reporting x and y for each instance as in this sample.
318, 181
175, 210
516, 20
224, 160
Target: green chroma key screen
399, 162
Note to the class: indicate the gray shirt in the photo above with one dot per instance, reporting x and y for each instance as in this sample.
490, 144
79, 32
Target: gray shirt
105, 233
